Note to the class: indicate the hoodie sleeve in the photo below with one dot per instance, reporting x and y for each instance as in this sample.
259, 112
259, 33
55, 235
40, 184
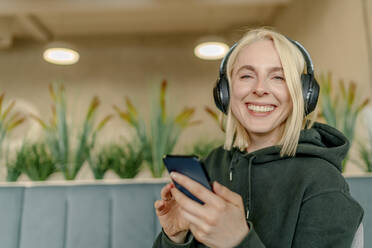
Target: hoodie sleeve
252, 239
162, 241
328, 219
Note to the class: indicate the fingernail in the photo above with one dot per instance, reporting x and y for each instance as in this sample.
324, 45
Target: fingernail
173, 175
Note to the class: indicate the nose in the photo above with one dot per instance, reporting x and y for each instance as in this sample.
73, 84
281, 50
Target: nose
260, 88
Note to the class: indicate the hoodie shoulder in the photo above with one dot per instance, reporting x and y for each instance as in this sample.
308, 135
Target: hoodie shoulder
319, 175
325, 142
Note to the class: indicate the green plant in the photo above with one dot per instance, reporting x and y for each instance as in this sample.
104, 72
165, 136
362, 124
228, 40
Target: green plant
13, 172
34, 160
98, 163
214, 116
13, 169
340, 110
163, 132
70, 158
202, 148
365, 147
125, 160
365, 153
8, 121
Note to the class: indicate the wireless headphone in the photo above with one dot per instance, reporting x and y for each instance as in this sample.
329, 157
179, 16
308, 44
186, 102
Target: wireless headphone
310, 87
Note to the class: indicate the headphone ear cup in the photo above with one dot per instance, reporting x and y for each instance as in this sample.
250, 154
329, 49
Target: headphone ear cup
310, 92
216, 96
221, 94
313, 100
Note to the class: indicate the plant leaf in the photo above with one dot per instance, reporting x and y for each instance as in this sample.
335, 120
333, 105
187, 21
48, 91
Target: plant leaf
351, 97
363, 105
7, 110
342, 88
123, 115
38, 120
52, 93
183, 118
162, 99
15, 123
92, 107
103, 122
131, 109
1, 102
212, 113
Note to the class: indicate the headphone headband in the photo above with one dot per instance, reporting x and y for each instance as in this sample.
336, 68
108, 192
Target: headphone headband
225, 59
306, 55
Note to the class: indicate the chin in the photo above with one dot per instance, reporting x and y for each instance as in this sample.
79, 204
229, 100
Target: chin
261, 126
259, 129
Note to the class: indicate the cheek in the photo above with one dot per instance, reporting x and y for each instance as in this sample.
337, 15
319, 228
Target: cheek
286, 100
239, 91
282, 94
288, 111
237, 104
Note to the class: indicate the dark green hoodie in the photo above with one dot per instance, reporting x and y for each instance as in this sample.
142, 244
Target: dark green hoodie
300, 201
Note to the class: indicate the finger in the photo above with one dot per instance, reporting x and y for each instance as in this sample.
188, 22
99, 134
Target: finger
195, 221
198, 233
165, 193
159, 207
196, 189
158, 204
188, 204
227, 194
203, 213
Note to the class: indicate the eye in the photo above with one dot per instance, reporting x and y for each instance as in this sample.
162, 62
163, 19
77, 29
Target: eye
279, 78
245, 77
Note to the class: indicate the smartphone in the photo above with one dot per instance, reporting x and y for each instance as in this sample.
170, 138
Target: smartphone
189, 166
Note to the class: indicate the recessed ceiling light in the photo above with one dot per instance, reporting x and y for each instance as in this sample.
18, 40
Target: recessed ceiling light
61, 55
211, 50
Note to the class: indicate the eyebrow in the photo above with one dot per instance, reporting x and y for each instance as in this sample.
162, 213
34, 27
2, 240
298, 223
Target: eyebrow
249, 67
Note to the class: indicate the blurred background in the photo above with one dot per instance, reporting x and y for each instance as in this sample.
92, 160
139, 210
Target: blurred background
138, 58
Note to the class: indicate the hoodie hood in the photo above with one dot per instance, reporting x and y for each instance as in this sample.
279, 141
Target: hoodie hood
322, 141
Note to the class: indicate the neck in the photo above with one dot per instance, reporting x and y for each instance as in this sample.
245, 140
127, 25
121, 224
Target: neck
259, 141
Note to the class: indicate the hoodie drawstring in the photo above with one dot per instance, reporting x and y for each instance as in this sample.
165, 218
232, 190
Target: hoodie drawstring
231, 166
231, 169
249, 203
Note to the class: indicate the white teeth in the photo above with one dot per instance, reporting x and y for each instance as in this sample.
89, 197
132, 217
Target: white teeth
257, 108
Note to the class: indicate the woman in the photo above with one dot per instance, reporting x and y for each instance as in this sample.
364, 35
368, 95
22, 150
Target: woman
277, 180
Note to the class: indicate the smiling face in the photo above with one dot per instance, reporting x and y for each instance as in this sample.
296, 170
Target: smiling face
260, 99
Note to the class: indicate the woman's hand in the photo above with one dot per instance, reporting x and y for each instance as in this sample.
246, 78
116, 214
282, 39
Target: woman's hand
220, 222
170, 217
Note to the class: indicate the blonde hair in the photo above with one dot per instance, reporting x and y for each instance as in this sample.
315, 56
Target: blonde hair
293, 65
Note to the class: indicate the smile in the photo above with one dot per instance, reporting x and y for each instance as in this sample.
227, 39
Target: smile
260, 108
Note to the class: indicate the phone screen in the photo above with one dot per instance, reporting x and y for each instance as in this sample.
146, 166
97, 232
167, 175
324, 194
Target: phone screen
189, 166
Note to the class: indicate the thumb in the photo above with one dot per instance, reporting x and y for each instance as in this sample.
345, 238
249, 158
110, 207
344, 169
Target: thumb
227, 194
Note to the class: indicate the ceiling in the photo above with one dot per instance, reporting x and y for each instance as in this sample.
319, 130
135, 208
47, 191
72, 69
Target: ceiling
44, 20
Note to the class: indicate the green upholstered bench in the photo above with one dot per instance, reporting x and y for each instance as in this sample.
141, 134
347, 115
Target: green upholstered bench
101, 214
72, 215
361, 190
